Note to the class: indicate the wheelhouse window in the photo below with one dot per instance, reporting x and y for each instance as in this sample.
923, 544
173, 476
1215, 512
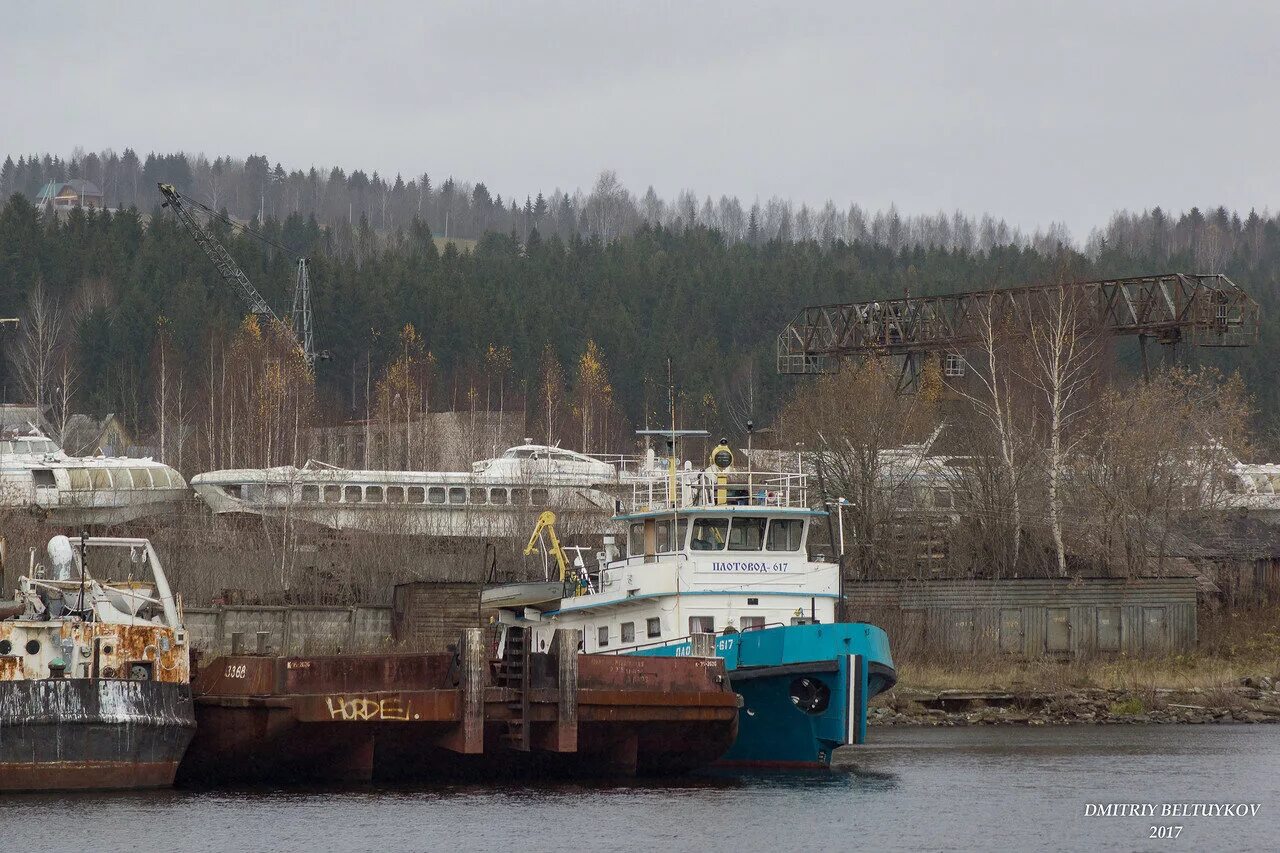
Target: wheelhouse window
668, 543
702, 624
602, 636
635, 539
311, 493
628, 632
785, 534
435, 495
353, 495
709, 534
747, 534
653, 627
332, 494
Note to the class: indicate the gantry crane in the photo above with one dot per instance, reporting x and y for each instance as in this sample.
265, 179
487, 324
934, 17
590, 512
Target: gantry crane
299, 320
1169, 308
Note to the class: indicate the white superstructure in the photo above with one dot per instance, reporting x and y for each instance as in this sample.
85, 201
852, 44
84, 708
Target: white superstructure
76, 490
707, 552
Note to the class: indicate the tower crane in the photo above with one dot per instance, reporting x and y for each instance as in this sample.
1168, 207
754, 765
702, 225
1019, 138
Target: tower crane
300, 318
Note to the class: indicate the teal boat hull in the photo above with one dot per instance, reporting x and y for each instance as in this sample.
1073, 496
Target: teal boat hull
805, 689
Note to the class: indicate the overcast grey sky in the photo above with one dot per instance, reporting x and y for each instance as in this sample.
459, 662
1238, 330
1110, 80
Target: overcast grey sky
1032, 111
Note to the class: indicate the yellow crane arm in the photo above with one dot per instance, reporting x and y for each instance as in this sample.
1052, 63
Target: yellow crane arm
547, 522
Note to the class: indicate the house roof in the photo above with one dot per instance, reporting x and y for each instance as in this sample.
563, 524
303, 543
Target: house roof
79, 186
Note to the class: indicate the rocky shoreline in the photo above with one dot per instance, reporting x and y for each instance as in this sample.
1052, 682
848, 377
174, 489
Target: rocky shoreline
1251, 701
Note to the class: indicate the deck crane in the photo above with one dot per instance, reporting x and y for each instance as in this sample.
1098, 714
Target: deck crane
300, 318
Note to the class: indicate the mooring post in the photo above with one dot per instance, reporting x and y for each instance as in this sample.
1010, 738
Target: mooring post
468, 736
563, 736
702, 645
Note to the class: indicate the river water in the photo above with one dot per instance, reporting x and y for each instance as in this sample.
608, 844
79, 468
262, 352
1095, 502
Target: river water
988, 788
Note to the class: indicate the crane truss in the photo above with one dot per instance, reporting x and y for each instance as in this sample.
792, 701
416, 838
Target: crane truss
217, 253
1205, 310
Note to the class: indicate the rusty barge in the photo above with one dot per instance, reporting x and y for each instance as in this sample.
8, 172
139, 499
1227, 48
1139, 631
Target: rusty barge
94, 673
357, 718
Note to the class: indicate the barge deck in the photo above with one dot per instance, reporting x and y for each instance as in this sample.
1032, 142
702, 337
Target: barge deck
355, 718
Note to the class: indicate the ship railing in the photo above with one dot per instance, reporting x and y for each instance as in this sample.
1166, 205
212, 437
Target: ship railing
693, 489
675, 641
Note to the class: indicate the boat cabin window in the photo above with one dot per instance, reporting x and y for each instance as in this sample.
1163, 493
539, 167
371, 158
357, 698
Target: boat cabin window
43, 477
539, 497
635, 539
100, 477
746, 534
395, 494
79, 478
142, 479
498, 497
667, 543
311, 493
702, 624
654, 626
785, 534
416, 494
332, 494
479, 496
373, 494
602, 636
520, 497
353, 495
457, 495
435, 494
628, 632
709, 534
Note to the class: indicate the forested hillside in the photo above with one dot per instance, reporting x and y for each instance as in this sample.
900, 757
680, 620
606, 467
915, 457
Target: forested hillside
119, 282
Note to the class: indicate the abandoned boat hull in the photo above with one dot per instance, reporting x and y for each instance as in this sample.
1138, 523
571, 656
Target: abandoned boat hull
92, 733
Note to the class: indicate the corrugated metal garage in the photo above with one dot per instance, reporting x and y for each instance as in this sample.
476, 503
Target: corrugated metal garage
1032, 618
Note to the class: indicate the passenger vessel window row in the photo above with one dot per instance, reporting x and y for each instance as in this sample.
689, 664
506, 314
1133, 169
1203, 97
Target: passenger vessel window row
742, 533
430, 495
28, 445
111, 479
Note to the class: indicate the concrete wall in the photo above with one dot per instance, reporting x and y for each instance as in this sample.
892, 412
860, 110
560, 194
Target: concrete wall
295, 630
1031, 618
430, 615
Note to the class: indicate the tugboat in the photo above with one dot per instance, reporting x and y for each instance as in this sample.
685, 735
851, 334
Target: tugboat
95, 686
725, 553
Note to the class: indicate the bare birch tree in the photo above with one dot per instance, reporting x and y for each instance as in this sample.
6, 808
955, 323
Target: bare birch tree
1063, 349
39, 338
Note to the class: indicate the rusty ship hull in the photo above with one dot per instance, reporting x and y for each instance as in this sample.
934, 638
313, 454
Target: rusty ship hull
92, 733
431, 716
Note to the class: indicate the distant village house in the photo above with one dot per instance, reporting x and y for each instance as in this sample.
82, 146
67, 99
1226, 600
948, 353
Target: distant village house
64, 195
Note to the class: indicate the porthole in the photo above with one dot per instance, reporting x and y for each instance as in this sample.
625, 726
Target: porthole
33, 647
6, 647
108, 650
